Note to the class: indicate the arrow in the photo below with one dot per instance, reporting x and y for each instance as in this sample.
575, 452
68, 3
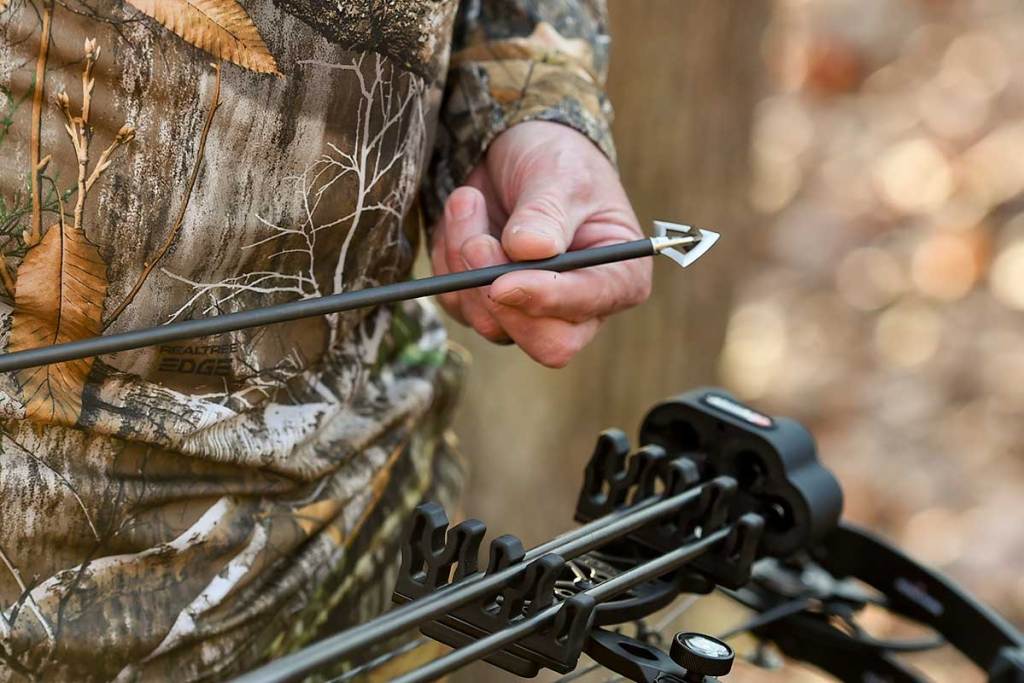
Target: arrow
682, 243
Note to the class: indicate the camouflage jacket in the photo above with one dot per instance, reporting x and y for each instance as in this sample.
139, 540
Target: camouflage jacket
191, 509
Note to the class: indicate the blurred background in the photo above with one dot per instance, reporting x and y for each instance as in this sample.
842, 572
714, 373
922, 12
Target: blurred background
864, 160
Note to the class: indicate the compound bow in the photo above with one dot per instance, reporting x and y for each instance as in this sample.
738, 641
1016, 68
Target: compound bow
719, 496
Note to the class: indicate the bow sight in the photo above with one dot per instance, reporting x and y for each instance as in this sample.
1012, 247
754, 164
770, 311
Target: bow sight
718, 497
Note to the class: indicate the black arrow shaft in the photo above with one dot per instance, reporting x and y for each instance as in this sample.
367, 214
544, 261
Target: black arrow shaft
308, 308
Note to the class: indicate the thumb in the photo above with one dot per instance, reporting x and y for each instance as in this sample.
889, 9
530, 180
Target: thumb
543, 221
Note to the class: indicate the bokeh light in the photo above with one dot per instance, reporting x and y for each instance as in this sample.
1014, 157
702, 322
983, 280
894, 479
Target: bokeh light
890, 298
945, 266
908, 334
1008, 276
755, 345
914, 176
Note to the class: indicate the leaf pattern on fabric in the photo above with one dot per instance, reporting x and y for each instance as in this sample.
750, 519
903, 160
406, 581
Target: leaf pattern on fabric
62, 283
545, 44
221, 27
4, 4
320, 516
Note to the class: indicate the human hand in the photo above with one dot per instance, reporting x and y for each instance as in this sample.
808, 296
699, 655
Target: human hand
543, 189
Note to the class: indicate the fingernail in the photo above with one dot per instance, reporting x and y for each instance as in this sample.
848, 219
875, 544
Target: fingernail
514, 297
535, 233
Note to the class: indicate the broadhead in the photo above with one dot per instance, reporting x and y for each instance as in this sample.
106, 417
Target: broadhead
684, 244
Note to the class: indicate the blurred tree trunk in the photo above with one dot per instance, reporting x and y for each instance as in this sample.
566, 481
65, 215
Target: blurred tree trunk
686, 75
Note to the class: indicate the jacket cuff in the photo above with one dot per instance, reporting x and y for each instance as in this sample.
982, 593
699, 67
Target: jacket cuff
484, 98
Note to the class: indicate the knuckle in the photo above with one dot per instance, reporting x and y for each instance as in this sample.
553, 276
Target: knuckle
577, 173
567, 162
548, 205
632, 224
604, 300
582, 187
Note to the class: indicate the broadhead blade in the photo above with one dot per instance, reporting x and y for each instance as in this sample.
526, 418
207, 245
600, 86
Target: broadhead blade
666, 229
686, 257
707, 240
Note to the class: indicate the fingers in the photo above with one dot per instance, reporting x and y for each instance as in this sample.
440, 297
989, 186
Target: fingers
482, 251
575, 296
544, 189
550, 206
465, 215
549, 341
465, 219
450, 301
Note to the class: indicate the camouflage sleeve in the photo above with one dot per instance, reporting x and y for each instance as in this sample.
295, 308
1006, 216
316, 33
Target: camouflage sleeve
515, 61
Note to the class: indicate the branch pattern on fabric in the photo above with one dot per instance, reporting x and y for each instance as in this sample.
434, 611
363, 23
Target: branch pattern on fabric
180, 219
380, 156
34, 232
